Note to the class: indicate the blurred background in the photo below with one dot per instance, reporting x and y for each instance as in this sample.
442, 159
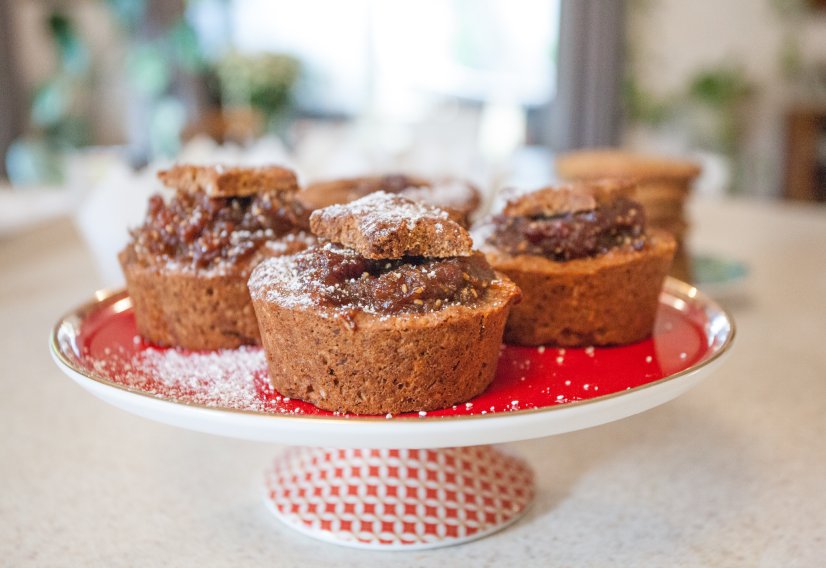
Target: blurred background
94, 91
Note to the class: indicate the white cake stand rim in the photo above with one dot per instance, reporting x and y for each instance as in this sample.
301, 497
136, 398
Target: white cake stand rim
459, 430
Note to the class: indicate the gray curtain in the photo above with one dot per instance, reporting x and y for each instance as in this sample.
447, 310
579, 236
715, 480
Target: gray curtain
10, 112
587, 110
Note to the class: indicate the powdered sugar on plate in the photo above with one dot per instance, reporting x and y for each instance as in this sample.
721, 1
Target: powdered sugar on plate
230, 378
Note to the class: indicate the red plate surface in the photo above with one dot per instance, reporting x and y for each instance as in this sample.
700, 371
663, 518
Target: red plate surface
108, 348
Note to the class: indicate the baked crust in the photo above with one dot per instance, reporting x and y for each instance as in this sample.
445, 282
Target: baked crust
459, 197
189, 309
385, 226
180, 306
607, 300
320, 194
383, 364
229, 181
608, 162
569, 198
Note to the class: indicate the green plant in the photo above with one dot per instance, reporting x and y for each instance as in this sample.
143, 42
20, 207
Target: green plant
263, 81
722, 91
58, 113
58, 104
157, 54
641, 106
721, 88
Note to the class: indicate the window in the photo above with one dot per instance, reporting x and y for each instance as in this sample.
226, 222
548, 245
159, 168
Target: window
398, 56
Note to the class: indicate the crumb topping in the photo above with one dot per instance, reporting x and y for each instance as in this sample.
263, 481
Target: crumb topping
570, 198
228, 181
385, 226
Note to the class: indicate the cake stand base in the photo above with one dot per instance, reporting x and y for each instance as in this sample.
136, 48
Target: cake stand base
398, 499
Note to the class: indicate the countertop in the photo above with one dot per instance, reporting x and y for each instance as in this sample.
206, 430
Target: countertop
733, 473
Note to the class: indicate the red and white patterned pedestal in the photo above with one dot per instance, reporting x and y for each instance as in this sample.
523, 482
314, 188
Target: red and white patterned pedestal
398, 499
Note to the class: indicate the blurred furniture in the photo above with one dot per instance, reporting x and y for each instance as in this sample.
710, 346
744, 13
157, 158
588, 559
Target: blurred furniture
805, 178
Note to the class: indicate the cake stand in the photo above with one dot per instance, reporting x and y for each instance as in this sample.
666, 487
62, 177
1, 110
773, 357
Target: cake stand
426, 479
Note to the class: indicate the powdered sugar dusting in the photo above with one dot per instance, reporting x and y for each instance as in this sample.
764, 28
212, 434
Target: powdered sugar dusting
383, 212
277, 272
230, 378
223, 378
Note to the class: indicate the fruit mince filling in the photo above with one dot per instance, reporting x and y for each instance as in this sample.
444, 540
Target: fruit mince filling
202, 231
340, 278
620, 224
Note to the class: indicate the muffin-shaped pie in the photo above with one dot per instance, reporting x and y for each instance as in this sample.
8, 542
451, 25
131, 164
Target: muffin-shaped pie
589, 270
453, 195
187, 265
395, 313
664, 185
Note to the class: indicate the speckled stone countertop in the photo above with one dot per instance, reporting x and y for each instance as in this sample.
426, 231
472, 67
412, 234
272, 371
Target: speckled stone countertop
731, 474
